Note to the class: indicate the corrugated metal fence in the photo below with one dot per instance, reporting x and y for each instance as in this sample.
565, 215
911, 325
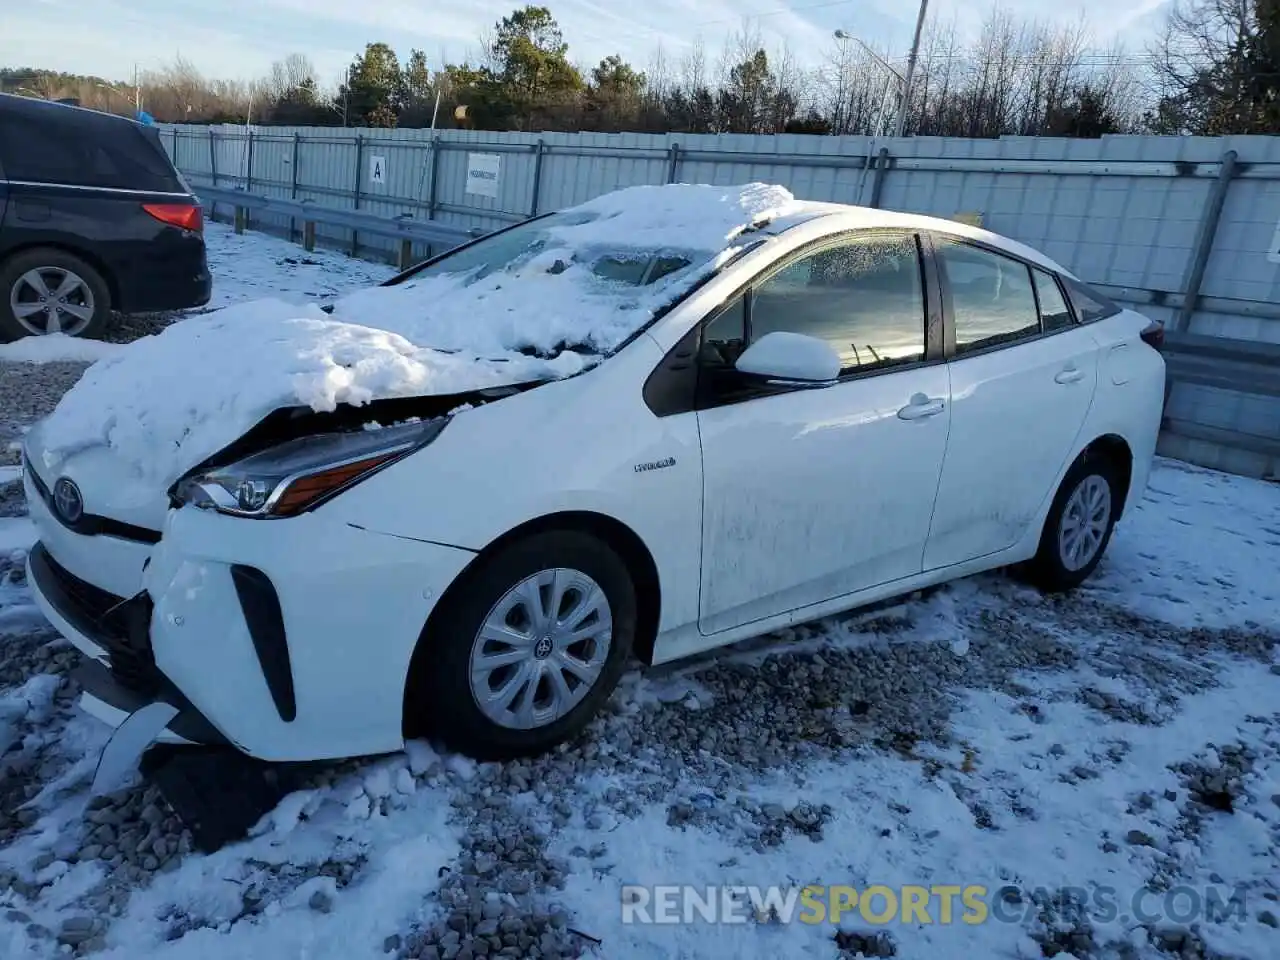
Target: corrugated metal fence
1186, 229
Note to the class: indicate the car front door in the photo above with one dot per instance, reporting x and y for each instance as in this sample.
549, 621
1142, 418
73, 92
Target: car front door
1023, 375
814, 493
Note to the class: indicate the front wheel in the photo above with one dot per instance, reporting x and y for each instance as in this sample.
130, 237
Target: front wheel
526, 650
1078, 527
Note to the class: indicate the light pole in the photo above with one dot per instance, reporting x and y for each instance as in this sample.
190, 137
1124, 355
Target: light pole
894, 74
904, 82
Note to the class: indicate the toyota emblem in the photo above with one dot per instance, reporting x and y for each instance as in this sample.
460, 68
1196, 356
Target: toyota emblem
67, 500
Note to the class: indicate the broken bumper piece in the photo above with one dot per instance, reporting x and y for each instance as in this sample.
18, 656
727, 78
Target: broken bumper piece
139, 723
120, 682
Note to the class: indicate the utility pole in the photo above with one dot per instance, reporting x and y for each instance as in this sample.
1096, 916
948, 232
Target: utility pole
137, 91
346, 95
905, 97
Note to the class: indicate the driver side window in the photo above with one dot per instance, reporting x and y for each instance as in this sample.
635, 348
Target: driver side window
863, 295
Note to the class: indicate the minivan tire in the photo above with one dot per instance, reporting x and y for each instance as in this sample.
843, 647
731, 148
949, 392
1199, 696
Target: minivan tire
439, 700
51, 258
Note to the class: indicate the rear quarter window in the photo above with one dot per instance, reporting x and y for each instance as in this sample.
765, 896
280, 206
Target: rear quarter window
1088, 303
81, 150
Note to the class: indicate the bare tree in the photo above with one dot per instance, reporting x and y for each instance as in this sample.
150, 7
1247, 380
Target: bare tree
1200, 65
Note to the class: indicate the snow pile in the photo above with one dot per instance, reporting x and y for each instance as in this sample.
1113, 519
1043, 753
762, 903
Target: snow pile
172, 399
55, 347
166, 402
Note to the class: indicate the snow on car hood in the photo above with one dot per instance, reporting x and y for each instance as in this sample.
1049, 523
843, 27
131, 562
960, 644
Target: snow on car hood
169, 401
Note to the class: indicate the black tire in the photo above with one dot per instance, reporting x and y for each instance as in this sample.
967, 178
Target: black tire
438, 699
1048, 569
41, 258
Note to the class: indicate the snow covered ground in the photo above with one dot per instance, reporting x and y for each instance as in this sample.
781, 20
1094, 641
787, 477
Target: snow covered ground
1105, 766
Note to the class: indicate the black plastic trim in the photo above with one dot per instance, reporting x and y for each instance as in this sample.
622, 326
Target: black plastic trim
91, 524
121, 628
937, 346
672, 387
261, 607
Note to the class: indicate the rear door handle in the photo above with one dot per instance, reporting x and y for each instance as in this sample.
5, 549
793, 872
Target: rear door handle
1069, 375
921, 407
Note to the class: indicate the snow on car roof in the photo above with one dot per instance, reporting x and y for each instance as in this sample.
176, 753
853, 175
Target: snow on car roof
540, 301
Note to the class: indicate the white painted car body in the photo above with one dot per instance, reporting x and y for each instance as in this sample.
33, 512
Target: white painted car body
759, 514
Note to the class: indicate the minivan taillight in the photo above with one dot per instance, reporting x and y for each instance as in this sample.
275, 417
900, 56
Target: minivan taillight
1153, 334
185, 216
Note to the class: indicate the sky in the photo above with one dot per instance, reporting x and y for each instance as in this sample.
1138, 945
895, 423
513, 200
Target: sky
239, 39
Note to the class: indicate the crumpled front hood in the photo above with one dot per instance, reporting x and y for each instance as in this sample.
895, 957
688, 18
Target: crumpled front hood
168, 402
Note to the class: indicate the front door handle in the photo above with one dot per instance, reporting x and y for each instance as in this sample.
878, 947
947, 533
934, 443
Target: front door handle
921, 407
1069, 375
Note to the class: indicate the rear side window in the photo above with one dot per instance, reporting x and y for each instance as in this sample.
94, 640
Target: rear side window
82, 151
991, 296
1054, 312
1089, 304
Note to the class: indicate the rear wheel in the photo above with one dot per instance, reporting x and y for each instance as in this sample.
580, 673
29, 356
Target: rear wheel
1078, 527
45, 291
525, 651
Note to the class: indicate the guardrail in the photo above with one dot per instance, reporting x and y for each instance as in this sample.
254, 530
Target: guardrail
404, 228
1240, 366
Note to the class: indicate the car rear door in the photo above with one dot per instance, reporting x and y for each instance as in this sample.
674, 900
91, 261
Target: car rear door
1023, 376
815, 493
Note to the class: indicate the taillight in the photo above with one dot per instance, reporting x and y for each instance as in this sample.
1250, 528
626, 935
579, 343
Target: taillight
1153, 334
185, 216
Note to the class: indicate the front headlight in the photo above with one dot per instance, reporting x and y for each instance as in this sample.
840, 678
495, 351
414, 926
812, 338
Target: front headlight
285, 480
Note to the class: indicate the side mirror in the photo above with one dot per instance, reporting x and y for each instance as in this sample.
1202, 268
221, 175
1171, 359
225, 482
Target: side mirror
791, 358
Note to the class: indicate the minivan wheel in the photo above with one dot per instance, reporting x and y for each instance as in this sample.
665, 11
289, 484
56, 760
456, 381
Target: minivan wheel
1078, 527
526, 649
46, 291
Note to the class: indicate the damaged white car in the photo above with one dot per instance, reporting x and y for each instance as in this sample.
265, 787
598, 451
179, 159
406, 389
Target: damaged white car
656, 423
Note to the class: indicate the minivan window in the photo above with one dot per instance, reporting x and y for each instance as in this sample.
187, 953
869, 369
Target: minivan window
81, 152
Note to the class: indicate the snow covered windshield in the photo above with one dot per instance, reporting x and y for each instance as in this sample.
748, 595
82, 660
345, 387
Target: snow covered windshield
543, 300
516, 245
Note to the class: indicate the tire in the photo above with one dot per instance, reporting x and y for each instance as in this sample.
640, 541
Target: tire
1090, 486
443, 701
52, 268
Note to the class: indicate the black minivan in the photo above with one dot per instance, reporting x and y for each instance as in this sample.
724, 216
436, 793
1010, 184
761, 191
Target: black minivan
94, 218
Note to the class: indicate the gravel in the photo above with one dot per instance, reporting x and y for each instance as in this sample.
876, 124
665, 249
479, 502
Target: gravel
29, 391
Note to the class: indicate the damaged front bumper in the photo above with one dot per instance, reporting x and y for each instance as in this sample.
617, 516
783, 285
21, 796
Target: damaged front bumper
120, 682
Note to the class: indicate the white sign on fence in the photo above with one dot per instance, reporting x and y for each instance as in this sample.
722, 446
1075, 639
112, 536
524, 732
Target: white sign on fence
482, 173
378, 170
1273, 252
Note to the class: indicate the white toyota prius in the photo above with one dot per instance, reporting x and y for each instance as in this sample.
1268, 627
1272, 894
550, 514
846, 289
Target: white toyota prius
454, 505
